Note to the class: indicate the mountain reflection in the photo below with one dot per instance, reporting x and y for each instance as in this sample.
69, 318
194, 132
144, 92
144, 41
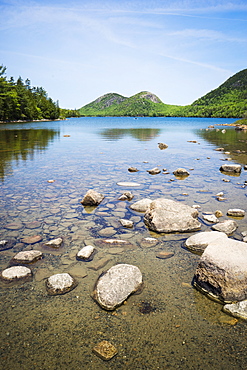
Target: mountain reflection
21, 145
232, 141
142, 134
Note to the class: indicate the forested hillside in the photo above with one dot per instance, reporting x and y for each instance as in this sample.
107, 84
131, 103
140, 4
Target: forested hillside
20, 101
228, 100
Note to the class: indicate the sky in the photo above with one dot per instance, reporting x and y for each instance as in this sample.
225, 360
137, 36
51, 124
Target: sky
78, 50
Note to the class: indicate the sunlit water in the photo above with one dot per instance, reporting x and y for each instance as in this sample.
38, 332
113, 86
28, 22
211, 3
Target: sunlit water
184, 328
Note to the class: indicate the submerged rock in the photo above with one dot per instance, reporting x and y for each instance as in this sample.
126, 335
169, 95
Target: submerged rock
210, 218
31, 239
60, 284
167, 216
149, 242
86, 252
114, 287
127, 195
199, 242
222, 271
235, 212
126, 223
154, 171
6, 244
54, 243
235, 168
227, 226
92, 198
133, 169
162, 146
181, 172
105, 350
141, 205
15, 273
27, 256
128, 184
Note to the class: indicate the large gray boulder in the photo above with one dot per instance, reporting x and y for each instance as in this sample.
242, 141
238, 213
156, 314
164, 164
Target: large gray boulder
168, 216
114, 287
199, 242
222, 271
92, 198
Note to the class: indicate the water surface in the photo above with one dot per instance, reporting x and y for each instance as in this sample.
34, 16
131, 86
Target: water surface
184, 328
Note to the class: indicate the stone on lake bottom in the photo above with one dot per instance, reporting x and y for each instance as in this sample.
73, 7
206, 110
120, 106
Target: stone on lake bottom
92, 198
15, 273
6, 244
54, 243
14, 226
126, 223
128, 184
148, 242
127, 195
162, 146
164, 255
114, 287
133, 169
31, 239
27, 256
86, 252
99, 264
114, 243
60, 284
105, 350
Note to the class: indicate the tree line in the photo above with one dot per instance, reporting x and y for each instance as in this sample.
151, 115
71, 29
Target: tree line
20, 101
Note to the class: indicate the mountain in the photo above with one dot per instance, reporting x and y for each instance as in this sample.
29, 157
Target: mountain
141, 104
228, 100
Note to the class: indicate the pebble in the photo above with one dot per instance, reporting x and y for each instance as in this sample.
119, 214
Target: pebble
54, 243
105, 350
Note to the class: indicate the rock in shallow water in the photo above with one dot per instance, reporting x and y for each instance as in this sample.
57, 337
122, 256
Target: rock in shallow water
92, 198
234, 168
222, 271
27, 256
238, 309
167, 216
114, 287
199, 242
227, 226
86, 252
141, 205
236, 212
105, 350
60, 284
16, 273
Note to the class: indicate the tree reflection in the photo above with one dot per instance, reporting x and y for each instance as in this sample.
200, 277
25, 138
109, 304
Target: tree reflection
232, 141
142, 134
21, 145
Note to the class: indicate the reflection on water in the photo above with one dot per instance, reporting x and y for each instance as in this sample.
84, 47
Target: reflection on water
233, 141
21, 145
142, 134
184, 330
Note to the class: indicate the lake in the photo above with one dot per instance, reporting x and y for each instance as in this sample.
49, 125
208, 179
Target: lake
45, 169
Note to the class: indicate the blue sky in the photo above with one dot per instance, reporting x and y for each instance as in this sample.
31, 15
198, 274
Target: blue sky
80, 50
